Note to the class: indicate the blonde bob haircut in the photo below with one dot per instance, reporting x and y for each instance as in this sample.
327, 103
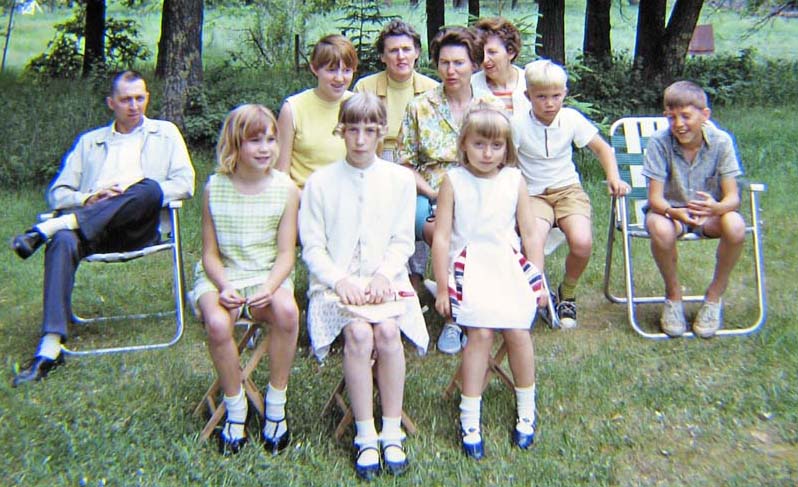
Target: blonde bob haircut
485, 120
684, 93
333, 49
545, 74
242, 123
362, 108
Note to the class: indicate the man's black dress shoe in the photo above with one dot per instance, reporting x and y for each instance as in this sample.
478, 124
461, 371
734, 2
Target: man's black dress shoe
25, 244
37, 368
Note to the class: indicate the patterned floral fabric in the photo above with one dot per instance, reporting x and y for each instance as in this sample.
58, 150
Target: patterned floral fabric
428, 136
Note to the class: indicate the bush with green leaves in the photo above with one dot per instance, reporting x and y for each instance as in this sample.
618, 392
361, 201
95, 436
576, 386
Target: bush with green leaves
615, 89
64, 55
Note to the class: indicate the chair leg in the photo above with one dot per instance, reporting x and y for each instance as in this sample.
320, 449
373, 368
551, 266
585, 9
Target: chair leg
217, 411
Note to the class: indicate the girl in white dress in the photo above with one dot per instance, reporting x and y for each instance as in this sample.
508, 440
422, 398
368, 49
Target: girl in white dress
357, 230
484, 282
249, 228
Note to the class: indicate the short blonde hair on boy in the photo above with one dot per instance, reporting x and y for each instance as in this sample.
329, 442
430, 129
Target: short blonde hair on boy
363, 107
240, 124
485, 120
334, 49
684, 93
545, 74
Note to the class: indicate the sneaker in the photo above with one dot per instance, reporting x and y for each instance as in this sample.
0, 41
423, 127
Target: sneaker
672, 320
707, 322
566, 311
450, 341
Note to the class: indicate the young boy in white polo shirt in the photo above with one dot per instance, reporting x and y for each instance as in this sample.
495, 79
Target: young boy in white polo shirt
544, 138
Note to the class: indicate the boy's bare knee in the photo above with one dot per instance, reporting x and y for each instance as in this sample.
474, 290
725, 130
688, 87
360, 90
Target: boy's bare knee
480, 336
733, 228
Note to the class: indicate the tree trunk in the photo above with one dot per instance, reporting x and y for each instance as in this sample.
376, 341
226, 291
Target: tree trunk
435, 18
597, 30
551, 30
660, 50
473, 11
179, 55
94, 36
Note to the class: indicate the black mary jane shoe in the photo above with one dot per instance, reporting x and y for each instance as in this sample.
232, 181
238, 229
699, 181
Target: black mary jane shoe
37, 368
25, 244
228, 446
523, 440
273, 444
367, 472
395, 468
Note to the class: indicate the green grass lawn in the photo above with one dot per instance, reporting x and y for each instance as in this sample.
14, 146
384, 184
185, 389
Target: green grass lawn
225, 29
614, 409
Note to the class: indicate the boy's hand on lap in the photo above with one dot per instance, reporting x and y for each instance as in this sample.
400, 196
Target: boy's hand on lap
703, 206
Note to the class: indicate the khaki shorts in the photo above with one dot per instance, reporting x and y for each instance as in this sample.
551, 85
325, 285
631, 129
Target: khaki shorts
556, 203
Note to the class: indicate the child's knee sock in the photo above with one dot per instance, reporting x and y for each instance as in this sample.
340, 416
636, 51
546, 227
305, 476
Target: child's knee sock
525, 405
469, 417
65, 222
568, 288
392, 435
236, 411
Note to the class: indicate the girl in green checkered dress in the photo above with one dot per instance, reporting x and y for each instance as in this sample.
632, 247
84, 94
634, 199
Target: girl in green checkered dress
249, 227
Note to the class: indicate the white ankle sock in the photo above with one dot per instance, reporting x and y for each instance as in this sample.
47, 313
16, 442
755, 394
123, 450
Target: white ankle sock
392, 434
366, 436
275, 402
49, 346
469, 417
65, 222
236, 411
525, 406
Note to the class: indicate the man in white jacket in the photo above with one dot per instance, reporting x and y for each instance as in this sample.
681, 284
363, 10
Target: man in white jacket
108, 196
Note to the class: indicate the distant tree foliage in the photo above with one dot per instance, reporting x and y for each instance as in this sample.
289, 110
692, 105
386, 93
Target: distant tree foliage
64, 57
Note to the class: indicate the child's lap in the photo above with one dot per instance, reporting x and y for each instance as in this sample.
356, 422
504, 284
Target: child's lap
557, 203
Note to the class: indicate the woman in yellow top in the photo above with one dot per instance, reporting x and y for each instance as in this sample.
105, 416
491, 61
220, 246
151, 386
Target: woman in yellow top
307, 119
399, 46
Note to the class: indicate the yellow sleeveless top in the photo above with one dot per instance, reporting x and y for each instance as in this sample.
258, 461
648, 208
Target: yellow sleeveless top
315, 145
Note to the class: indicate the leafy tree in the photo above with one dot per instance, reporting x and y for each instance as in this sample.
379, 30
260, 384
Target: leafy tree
362, 22
64, 57
551, 30
596, 45
436, 18
180, 55
660, 49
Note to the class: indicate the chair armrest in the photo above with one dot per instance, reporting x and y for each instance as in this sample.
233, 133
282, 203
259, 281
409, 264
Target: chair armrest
752, 185
174, 204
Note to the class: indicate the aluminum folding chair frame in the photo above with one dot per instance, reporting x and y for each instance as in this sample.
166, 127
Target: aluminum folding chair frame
619, 222
173, 244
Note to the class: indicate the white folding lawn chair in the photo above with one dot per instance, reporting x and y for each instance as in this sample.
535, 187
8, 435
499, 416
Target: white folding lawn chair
628, 137
170, 241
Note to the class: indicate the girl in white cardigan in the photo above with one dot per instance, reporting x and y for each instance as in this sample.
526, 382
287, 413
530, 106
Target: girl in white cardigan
357, 232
